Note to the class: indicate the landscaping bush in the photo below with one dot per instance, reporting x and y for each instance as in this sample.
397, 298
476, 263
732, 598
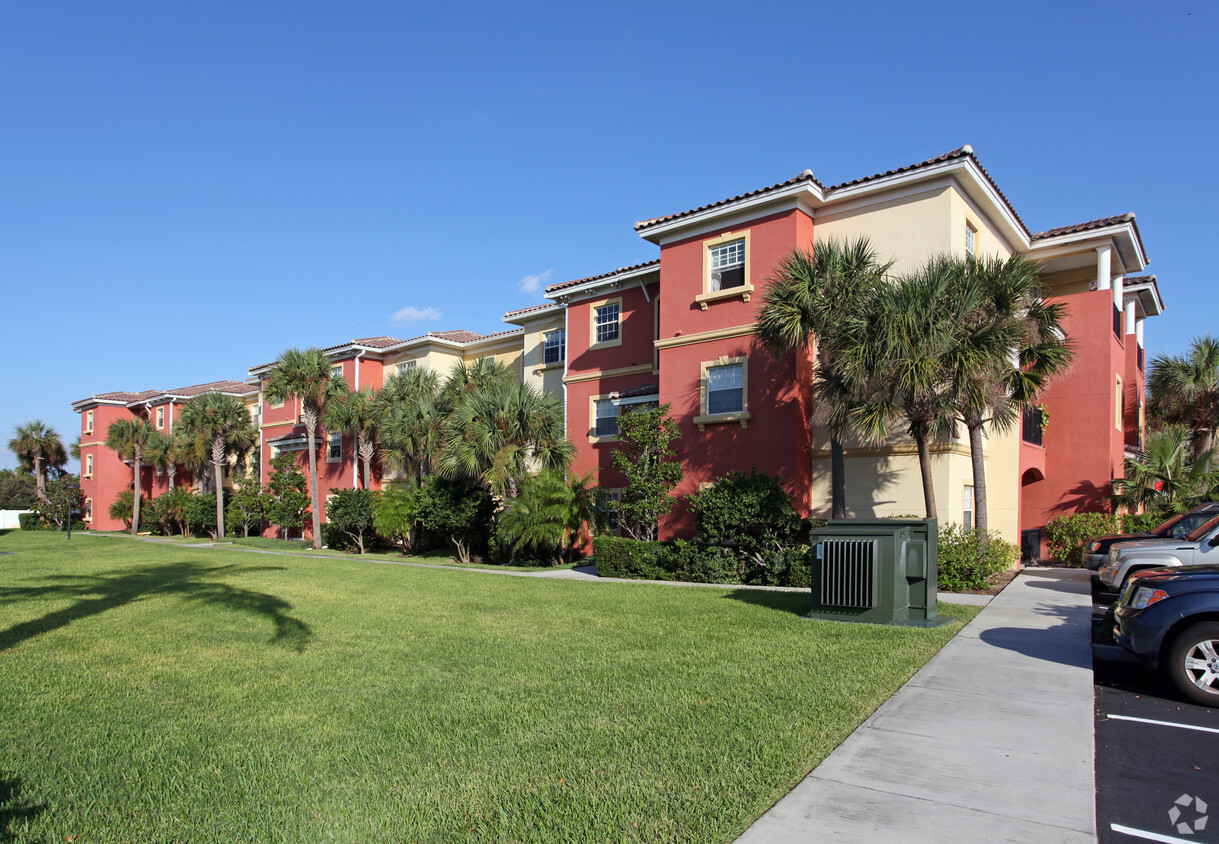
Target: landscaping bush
29, 521
619, 556
201, 513
349, 518
969, 558
1065, 535
395, 519
457, 511
752, 513
1143, 522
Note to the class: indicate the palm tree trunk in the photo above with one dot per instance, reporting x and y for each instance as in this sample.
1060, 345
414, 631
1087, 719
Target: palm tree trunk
137, 467
1204, 442
311, 436
979, 467
40, 483
171, 470
366, 452
838, 479
924, 466
217, 462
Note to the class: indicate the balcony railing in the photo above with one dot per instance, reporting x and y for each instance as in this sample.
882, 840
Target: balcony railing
1030, 428
1117, 322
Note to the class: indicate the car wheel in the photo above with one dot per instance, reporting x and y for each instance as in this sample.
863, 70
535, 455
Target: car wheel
1193, 663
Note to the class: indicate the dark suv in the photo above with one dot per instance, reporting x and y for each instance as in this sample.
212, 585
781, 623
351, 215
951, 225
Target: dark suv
1169, 618
1178, 527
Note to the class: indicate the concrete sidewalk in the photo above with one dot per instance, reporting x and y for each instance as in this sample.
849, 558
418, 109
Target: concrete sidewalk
991, 741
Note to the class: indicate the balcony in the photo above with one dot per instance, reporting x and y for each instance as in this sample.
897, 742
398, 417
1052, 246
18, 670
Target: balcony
1139, 353
1117, 322
1030, 427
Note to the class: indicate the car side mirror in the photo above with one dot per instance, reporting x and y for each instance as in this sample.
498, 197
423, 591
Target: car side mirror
1214, 541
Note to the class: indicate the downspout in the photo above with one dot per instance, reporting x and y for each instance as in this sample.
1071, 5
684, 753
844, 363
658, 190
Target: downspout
355, 456
566, 326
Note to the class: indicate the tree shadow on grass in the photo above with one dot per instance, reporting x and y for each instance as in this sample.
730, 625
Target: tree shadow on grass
796, 603
190, 581
14, 807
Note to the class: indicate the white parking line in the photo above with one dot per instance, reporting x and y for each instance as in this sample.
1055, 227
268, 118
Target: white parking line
1149, 836
1163, 724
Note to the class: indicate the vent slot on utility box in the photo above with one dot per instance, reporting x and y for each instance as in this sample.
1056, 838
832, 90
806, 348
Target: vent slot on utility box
848, 574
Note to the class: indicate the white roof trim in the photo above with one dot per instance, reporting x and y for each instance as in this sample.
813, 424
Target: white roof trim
592, 287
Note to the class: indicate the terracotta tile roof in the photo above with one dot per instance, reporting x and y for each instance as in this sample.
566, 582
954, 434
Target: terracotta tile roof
565, 284
528, 310
381, 342
1088, 226
463, 336
806, 176
962, 152
239, 387
1139, 279
126, 396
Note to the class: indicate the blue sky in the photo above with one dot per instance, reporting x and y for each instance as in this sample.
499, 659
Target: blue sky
187, 190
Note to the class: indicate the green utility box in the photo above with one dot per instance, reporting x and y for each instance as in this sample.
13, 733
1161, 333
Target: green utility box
881, 571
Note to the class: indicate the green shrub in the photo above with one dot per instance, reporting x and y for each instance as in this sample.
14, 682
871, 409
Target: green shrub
395, 519
969, 559
800, 569
456, 511
29, 521
1065, 535
619, 556
349, 517
1142, 522
201, 513
752, 513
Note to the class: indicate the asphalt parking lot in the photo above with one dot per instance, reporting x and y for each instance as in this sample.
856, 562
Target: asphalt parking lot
1157, 756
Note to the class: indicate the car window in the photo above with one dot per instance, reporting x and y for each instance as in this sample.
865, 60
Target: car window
1205, 528
1188, 525
1166, 528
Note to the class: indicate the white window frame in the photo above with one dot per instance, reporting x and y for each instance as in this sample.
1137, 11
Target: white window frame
604, 496
967, 507
559, 346
88, 514
711, 292
971, 240
88, 421
616, 340
603, 401
741, 416
333, 441
88, 465
161, 417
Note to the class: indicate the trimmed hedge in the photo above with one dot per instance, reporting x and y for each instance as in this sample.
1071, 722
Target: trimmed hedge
29, 521
687, 561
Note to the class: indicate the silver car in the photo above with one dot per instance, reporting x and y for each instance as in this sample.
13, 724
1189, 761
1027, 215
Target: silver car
1201, 546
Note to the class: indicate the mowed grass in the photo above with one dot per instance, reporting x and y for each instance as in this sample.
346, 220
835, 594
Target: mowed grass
161, 693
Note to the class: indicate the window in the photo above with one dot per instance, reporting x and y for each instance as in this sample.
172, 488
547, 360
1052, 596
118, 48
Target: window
160, 418
334, 452
554, 343
405, 366
971, 241
725, 388
88, 509
607, 318
725, 269
724, 392
728, 265
605, 418
336, 371
88, 465
88, 421
967, 518
607, 503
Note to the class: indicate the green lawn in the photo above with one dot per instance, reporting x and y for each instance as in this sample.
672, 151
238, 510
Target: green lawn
159, 693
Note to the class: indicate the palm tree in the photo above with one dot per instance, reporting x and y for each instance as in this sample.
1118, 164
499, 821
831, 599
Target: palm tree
38, 448
306, 374
409, 416
501, 430
129, 439
169, 451
926, 340
552, 512
223, 423
1164, 473
1027, 348
1185, 389
824, 294
354, 413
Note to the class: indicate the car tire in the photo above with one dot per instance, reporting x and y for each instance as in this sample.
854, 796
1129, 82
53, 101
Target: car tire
1193, 663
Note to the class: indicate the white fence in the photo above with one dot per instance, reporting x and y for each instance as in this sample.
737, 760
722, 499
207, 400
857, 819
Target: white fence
8, 518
